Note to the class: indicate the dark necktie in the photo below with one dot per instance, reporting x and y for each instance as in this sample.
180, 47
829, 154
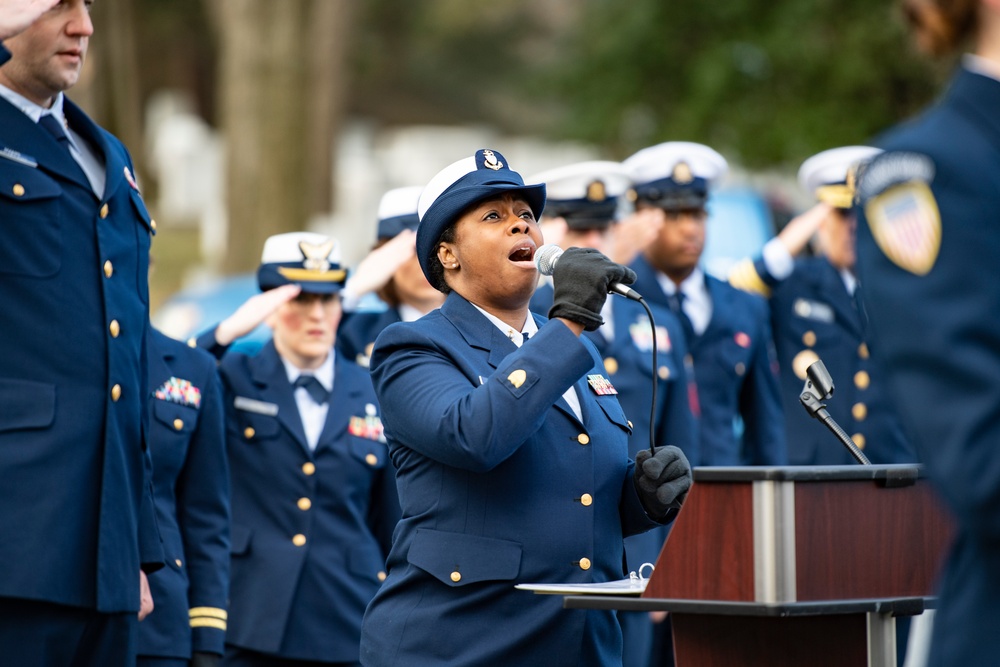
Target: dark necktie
56, 129
676, 301
315, 389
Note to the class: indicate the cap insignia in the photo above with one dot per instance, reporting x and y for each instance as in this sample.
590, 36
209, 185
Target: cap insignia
490, 160
316, 255
596, 191
682, 173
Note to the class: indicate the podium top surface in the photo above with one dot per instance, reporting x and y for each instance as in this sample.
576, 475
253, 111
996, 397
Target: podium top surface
908, 606
905, 473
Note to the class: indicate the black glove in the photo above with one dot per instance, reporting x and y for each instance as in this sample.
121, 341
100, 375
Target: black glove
662, 480
581, 282
202, 659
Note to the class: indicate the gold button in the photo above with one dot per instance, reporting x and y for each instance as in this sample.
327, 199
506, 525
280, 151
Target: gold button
18, 190
860, 411
863, 351
456, 576
611, 365
381, 576
630, 423
309, 468
859, 440
861, 380
104, 211
178, 561
740, 368
583, 439
809, 338
116, 392
178, 424
371, 459
248, 432
114, 328
663, 372
108, 269
192, 342
299, 540
304, 504
586, 500
584, 563
801, 363
152, 224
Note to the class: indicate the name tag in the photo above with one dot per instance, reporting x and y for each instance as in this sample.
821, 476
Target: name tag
813, 310
20, 158
255, 406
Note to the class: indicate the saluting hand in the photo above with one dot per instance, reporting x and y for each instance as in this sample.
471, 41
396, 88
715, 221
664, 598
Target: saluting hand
377, 269
634, 234
253, 312
16, 16
662, 480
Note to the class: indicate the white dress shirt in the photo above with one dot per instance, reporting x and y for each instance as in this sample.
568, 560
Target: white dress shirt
312, 413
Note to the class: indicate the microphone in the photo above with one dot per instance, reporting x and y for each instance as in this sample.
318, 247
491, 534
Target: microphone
547, 255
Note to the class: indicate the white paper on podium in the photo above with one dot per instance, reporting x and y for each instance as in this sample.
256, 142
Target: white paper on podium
619, 587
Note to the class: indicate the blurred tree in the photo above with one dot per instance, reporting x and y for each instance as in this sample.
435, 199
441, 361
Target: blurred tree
768, 81
280, 101
110, 88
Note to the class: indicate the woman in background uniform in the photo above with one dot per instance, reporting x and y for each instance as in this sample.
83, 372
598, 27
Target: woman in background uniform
928, 244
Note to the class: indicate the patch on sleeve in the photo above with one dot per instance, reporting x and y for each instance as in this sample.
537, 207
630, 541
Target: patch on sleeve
906, 224
903, 215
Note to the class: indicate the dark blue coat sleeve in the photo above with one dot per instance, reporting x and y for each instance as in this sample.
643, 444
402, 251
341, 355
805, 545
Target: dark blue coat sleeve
203, 517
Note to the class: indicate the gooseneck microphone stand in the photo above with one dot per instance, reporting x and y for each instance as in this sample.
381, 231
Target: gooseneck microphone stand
818, 388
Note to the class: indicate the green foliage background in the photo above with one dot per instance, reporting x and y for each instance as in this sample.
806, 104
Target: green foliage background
765, 81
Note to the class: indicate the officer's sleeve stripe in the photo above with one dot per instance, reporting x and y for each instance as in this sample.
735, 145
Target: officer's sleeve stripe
208, 623
211, 612
744, 276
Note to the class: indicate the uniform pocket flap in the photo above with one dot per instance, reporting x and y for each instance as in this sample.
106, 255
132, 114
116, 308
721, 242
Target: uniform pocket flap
613, 409
457, 559
23, 183
140, 209
239, 537
26, 404
180, 418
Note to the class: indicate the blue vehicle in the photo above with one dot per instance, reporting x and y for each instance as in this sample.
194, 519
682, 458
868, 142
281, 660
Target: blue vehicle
739, 224
193, 311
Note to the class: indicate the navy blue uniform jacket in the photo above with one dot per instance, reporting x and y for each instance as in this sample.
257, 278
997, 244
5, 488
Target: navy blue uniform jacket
358, 331
813, 315
311, 529
939, 336
500, 484
75, 310
736, 373
191, 487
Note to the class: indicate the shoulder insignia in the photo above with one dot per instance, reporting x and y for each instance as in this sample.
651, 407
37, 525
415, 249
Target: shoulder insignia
906, 224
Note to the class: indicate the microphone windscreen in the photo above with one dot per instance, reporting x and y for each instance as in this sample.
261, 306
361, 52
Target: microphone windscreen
546, 257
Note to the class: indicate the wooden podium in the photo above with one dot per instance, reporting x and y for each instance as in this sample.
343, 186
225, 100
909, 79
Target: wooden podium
805, 565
